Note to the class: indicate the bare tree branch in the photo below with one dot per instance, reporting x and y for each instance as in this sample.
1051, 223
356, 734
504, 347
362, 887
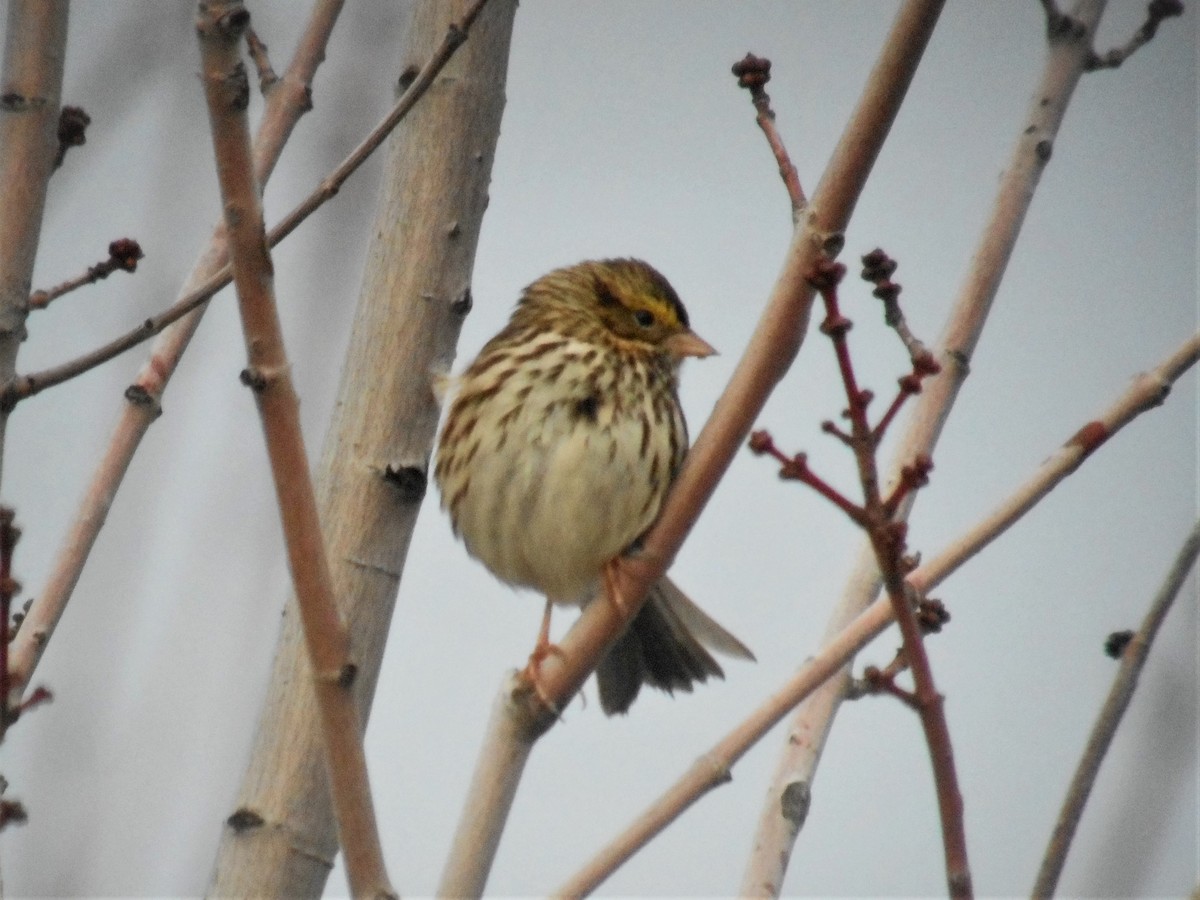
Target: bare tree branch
713, 768
123, 256
373, 468
810, 727
1133, 659
220, 25
284, 107
35, 41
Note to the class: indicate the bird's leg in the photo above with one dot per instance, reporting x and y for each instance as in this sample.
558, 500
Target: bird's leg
541, 650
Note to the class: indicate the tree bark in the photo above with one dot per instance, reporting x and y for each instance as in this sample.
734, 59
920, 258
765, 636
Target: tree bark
35, 47
281, 841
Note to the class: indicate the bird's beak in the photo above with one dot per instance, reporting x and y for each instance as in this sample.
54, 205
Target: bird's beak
688, 343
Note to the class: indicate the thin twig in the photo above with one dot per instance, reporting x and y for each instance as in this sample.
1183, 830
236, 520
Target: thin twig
123, 256
878, 518
1133, 659
753, 73
839, 649
24, 386
220, 26
772, 348
262, 62
1156, 11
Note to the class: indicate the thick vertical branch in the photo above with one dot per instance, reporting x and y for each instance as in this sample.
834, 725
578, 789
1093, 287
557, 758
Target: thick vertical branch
811, 725
373, 469
35, 40
221, 26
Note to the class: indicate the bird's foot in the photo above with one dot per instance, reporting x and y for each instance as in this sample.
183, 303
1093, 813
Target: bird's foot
542, 649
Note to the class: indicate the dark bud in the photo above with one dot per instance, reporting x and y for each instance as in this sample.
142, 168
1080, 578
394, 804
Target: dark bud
72, 126
407, 77
138, 395
924, 364
125, 253
244, 819
752, 72
409, 482
878, 266
760, 442
234, 22
795, 469
826, 274
253, 379
12, 813
932, 615
887, 291
1117, 642
462, 304
836, 326
1164, 9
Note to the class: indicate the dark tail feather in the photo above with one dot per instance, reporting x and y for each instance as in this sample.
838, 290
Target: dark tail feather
664, 648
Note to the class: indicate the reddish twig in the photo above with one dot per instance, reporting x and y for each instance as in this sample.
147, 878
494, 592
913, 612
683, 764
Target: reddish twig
886, 530
878, 269
883, 681
753, 73
123, 256
72, 131
1156, 11
795, 468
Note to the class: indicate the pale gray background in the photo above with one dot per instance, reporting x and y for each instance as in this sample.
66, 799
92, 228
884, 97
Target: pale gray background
625, 134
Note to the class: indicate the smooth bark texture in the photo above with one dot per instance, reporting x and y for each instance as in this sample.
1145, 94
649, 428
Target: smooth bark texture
281, 840
221, 26
30, 94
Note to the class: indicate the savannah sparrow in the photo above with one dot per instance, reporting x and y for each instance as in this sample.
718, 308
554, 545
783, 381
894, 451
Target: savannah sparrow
559, 448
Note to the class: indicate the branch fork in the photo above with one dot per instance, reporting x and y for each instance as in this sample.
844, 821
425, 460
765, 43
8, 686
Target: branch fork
881, 518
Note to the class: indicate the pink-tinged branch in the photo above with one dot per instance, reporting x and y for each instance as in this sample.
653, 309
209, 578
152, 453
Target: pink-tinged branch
880, 519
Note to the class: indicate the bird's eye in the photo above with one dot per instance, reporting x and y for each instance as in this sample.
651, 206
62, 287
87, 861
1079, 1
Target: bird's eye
644, 317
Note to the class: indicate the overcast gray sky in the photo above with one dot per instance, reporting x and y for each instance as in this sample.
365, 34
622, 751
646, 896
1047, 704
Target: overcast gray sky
625, 135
